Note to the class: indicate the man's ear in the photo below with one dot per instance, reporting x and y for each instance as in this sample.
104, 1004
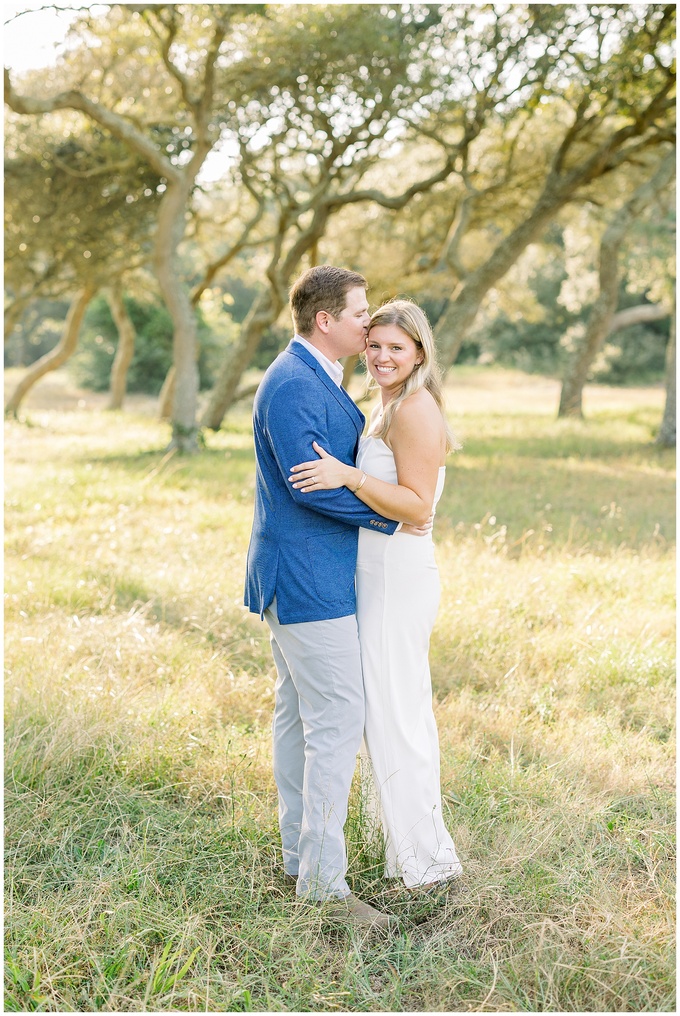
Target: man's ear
323, 320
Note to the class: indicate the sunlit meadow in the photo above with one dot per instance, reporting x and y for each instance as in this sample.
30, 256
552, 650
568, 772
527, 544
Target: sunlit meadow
142, 859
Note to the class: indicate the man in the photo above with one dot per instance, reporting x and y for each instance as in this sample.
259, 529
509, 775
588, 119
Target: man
300, 577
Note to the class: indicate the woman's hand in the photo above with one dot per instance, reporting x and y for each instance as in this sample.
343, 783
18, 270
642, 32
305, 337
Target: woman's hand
324, 473
419, 530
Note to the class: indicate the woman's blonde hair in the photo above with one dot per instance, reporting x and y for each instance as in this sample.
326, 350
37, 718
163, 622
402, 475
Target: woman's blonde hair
408, 316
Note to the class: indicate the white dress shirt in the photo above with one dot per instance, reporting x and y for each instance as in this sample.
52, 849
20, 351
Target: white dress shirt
334, 370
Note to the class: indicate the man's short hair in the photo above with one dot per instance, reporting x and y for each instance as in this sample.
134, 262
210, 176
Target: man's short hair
321, 288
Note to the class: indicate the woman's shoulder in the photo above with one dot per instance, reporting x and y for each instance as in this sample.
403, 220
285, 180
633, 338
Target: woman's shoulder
420, 406
418, 423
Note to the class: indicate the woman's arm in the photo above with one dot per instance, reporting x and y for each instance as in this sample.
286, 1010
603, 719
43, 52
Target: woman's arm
416, 442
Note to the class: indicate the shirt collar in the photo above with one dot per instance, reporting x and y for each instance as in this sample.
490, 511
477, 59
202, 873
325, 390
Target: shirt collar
334, 370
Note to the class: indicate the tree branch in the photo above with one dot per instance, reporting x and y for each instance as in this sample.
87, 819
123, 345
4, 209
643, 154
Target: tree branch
116, 124
209, 75
641, 314
45, 7
399, 200
165, 47
216, 266
84, 174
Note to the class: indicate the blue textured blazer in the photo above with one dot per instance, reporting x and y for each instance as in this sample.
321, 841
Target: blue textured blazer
303, 547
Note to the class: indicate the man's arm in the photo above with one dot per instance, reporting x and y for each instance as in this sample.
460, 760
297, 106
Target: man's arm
416, 437
294, 419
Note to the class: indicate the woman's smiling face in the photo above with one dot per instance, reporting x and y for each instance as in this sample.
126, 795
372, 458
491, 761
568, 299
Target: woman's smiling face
391, 356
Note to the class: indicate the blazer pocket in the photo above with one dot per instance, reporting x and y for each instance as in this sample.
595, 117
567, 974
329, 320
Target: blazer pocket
333, 561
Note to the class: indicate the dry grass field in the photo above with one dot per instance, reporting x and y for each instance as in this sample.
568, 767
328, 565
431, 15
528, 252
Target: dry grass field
141, 851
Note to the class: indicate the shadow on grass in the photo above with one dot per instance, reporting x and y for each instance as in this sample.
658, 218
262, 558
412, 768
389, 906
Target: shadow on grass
578, 503
215, 469
570, 444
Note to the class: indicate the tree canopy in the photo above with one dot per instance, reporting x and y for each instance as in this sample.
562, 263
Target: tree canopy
433, 145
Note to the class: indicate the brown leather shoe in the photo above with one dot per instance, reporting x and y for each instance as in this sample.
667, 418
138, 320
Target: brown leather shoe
355, 913
290, 880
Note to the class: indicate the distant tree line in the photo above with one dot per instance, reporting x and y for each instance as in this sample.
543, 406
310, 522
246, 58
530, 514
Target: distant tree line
633, 355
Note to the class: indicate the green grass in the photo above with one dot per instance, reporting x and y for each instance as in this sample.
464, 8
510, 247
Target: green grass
142, 859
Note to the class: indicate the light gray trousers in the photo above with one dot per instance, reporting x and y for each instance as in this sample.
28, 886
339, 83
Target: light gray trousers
317, 730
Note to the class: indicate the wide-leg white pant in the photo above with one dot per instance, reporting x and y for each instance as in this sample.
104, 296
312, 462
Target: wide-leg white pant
397, 599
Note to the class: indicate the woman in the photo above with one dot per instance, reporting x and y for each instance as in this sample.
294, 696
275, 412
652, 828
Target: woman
399, 473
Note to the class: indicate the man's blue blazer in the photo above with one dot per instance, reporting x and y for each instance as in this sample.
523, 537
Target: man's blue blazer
303, 547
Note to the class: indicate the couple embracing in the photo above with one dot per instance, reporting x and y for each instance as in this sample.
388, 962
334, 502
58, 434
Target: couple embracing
341, 565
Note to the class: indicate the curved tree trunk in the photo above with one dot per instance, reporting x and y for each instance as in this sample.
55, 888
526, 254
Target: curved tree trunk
261, 315
561, 185
602, 313
460, 314
571, 397
167, 395
14, 312
126, 345
179, 183
264, 311
597, 329
666, 435
59, 355
171, 225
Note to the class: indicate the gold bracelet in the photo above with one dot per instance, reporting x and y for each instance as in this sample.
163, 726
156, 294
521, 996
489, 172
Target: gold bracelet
362, 481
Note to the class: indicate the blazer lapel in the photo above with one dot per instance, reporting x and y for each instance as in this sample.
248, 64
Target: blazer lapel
338, 393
